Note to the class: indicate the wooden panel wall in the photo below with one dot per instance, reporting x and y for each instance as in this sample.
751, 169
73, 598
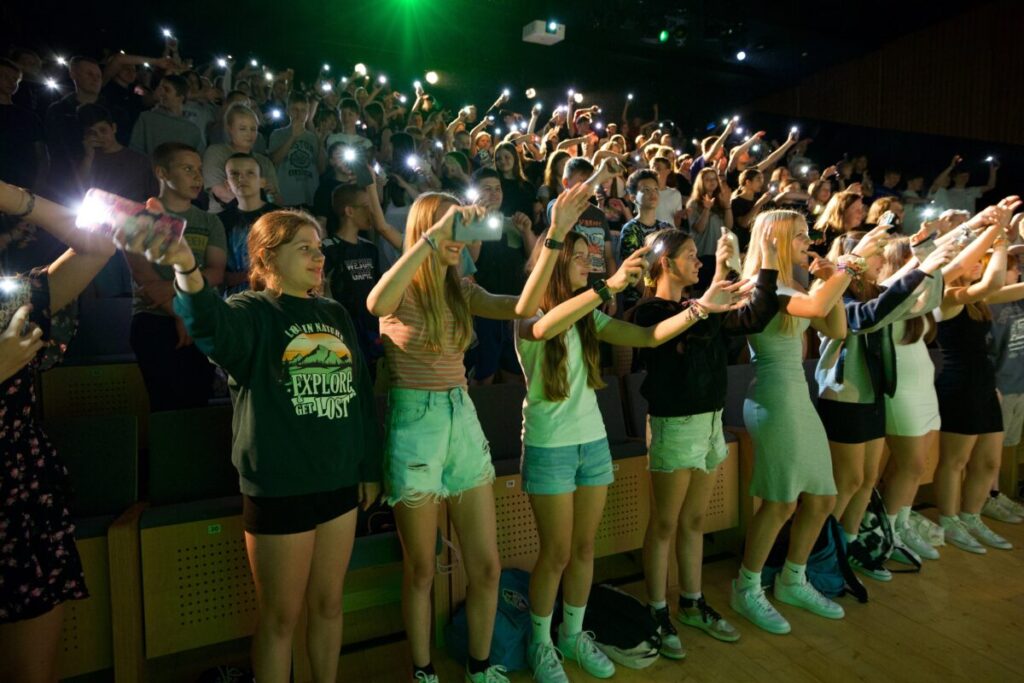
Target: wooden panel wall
963, 77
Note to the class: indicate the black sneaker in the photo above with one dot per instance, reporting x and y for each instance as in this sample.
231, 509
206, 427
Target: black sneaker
698, 614
671, 646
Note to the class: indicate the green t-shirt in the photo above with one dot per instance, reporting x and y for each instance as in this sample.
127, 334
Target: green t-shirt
202, 230
577, 419
304, 412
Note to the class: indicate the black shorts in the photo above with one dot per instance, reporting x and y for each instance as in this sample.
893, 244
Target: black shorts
852, 422
277, 515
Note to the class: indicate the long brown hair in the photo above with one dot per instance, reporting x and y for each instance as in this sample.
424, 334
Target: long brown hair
436, 285
556, 366
553, 177
861, 288
268, 233
831, 219
517, 163
896, 254
672, 241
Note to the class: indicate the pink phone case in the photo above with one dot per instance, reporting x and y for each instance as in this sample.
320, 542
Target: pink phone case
104, 212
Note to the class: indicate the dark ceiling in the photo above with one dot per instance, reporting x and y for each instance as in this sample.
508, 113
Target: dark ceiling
611, 46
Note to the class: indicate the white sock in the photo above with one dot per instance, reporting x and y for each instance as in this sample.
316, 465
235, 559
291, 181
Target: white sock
541, 628
903, 516
793, 574
850, 538
691, 596
658, 604
749, 579
572, 619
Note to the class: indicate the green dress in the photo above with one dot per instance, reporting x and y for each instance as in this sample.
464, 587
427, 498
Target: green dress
791, 453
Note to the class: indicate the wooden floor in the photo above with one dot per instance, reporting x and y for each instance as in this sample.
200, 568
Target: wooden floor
962, 618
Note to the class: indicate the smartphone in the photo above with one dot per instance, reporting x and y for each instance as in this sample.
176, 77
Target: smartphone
773, 187
652, 256
888, 218
104, 213
487, 229
14, 293
734, 260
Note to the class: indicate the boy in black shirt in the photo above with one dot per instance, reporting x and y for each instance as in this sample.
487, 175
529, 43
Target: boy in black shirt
245, 180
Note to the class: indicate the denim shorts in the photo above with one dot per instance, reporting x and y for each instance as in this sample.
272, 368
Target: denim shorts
548, 471
691, 442
435, 447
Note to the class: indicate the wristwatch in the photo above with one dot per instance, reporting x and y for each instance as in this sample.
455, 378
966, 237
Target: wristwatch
553, 244
601, 287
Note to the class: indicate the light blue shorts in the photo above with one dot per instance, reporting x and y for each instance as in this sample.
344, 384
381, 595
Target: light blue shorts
691, 442
435, 447
548, 471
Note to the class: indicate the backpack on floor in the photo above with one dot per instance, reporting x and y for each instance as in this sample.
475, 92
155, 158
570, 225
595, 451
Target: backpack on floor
875, 542
827, 567
511, 624
623, 627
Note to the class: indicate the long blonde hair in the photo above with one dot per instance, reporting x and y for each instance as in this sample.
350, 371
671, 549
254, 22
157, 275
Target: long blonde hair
434, 284
268, 233
780, 228
555, 366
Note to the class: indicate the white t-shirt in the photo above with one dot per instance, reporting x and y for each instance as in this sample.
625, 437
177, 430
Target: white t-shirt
577, 419
963, 198
669, 202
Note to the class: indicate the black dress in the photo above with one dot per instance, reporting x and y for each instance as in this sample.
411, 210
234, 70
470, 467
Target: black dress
39, 563
966, 385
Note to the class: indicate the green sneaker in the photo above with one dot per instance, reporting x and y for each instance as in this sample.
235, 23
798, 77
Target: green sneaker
495, 674
698, 614
582, 649
546, 662
806, 596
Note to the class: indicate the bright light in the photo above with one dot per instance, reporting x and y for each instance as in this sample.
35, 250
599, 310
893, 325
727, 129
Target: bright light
990, 159
360, 69
327, 67
167, 33
222, 63
494, 223
598, 125
472, 194
432, 77
530, 93
269, 76
538, 106
438, 144
412, 161
348, 154
571, 92
552, 26
275, 114
417, 85
663, 36
695, 142
523, 125
145, 64
793, 129
505, 93
92, 212
928, 212
382, 79
679, 152
578, 97
741, 55
326, 87
629, 96
497, 131
9, 285
755, 148
736, 117
62, 61
253, 63
804, 170
51, 84
725, 122
376, 168
344, 79
739, 131
403, 99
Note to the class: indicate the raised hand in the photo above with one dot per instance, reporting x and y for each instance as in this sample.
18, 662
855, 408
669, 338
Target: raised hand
16, 349
722, 296
871, 243
821, 269
630, 272
567, 210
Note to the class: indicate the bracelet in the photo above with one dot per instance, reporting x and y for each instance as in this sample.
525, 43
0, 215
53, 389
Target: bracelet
699, 309
430, 241
554, 245
28, 209
601, 287
191, 270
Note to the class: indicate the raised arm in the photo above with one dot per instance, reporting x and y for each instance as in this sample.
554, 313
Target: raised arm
380, 223
768, 163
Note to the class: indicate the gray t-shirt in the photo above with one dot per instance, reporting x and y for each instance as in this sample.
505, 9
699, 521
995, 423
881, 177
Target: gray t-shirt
1006, 346
202, 230
200, 113
158, 126
297, 175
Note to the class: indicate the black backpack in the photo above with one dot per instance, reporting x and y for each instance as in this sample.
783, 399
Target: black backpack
623, 627
875, 542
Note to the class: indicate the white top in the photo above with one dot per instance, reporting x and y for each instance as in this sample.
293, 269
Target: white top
577, 419
669, 202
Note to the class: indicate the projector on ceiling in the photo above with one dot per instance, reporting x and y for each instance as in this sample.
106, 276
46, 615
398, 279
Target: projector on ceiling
541, 32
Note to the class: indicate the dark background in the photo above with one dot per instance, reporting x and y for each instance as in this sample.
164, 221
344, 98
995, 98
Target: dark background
911, 82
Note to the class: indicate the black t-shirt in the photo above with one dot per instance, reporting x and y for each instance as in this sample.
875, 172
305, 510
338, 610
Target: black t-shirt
741, 207
517, 195
125, 106
500, 268
352, 269
322, 201
20, 130
237, 224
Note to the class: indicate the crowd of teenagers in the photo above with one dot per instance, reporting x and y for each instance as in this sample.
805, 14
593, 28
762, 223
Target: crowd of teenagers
324, 258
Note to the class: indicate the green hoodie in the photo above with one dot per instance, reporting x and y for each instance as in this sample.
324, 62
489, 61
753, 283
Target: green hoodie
304, 412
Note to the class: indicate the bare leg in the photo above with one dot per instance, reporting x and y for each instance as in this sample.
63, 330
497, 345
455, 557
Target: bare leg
810, 517
588, 506
554, 528
332, 551
417, 527
954, 452
28, 649
690, 541
859, 502
848, 469
474, 519
763, 530
981, 468
906, 466
668, 490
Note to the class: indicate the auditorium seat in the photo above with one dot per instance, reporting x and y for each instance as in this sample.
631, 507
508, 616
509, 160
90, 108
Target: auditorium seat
101, 456
610, 402
103, 334
88, 390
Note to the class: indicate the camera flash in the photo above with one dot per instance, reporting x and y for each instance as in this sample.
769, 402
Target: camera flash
472, 194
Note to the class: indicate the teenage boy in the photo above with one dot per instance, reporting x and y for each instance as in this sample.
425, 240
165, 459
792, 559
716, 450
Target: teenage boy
349, 134
643, 189
242, 128
670, 203
500, 269
295, 149
63, 135
339, 172
166, 121
109, 165
22, 152
245, 180
177, 375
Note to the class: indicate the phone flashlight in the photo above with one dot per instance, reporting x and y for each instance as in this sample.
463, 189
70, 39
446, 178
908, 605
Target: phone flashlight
376, 168
739, 131
403, 99
62, 61
275, 114
497, 131
253, 63
505, 92
990, 159
571, 92
327, 67
598, 125
348, 154
494, 223
794, 129
928, 212
382, 79
438, 144
538, 106
530, 93
167, 33
629, 96
695, 142
472, 194
9, 285
417, 85
578, 97
804, 170
412, 161
51, 84
325, 86
222, 63
360, 69
736, 117
268, 76
755, 148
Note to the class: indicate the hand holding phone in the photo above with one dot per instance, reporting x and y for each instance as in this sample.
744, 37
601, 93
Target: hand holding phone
488, 228
106, 213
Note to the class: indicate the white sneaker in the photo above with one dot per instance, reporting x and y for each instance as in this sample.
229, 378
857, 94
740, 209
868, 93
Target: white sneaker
753, 604
913, 541
808, 597
981, 532
1011, 505
957, 534
880, 574
997, 509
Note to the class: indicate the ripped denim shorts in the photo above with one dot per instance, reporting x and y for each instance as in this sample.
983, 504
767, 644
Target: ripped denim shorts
435, 447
